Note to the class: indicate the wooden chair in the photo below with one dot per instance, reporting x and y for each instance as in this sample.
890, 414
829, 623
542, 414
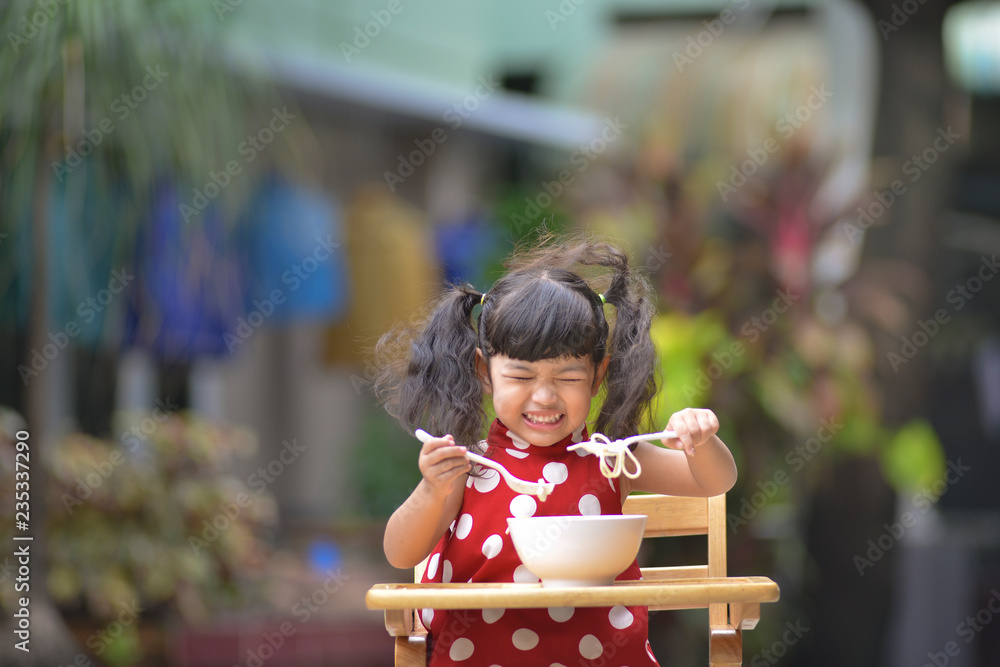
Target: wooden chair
733, 602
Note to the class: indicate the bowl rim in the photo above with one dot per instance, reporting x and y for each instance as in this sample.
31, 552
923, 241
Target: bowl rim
579, 517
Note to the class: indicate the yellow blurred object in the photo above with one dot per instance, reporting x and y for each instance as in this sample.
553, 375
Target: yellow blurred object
393, 269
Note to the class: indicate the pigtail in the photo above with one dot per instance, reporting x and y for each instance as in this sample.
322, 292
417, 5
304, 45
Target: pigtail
631, 377
427, 376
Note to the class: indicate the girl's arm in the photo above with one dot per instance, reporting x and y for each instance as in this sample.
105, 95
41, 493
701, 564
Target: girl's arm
705, 467
417, 525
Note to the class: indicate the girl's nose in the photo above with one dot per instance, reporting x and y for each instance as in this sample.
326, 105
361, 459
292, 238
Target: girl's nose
544, 393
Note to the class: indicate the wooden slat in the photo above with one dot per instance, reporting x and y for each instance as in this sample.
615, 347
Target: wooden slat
718, 614
670, 516
671, 573
744, 615
520, 596
725, 647
410, 652
399, 622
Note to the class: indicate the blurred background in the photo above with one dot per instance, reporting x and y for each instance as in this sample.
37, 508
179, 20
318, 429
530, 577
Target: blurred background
209, 212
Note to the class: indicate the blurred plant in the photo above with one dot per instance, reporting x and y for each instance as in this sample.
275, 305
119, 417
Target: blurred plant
156, 524
136, 90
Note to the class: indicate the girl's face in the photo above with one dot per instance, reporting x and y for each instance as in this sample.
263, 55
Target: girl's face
541, 401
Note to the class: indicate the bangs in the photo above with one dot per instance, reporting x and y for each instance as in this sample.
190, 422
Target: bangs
544, 319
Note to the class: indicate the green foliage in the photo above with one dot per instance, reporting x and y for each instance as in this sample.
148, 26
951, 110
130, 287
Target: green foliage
913, 458
384, 464
155, 519
82, 65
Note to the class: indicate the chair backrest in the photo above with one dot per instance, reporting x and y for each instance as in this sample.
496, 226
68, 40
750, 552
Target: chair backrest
673, 516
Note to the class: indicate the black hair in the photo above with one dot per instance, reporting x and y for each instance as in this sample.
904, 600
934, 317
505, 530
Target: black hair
545, 306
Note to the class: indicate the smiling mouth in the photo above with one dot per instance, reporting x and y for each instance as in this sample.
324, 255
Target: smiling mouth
543, 420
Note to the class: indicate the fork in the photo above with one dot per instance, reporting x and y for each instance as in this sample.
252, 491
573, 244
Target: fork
541, 488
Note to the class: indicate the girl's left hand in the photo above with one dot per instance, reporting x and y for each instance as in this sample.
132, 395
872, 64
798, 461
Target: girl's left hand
693, 426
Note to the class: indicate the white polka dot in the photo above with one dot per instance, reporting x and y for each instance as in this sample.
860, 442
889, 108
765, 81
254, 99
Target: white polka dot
492, 615
464, 526
488, 481
620, 617
589, 505
432, 566
557, 664
555, 472
523, 575
591, 647
525, 639
522, 506
446, 572
462, 649
561, 614
649, 650
427, 616
492, 546
516, 454
518, 441
451, 528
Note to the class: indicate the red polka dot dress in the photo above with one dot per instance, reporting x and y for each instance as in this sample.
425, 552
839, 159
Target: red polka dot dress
477, 548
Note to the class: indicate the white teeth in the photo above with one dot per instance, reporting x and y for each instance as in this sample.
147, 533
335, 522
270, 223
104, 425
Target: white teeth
544, 420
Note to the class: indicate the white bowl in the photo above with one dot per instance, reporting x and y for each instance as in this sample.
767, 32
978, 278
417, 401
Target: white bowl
577, 550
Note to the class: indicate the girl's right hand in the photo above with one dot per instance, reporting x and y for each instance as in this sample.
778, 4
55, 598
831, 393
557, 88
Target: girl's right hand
443, 464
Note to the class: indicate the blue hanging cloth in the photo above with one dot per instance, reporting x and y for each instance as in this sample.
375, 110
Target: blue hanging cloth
190, 283
468, 248
87, 281
296, 264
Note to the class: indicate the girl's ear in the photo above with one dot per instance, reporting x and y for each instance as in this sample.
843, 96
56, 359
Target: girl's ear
483, 371
602, 369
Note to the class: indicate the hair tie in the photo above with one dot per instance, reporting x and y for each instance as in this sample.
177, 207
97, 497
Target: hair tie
602, 299
482, 299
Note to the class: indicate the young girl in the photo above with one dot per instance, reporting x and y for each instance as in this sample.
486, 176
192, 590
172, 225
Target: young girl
541, 348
